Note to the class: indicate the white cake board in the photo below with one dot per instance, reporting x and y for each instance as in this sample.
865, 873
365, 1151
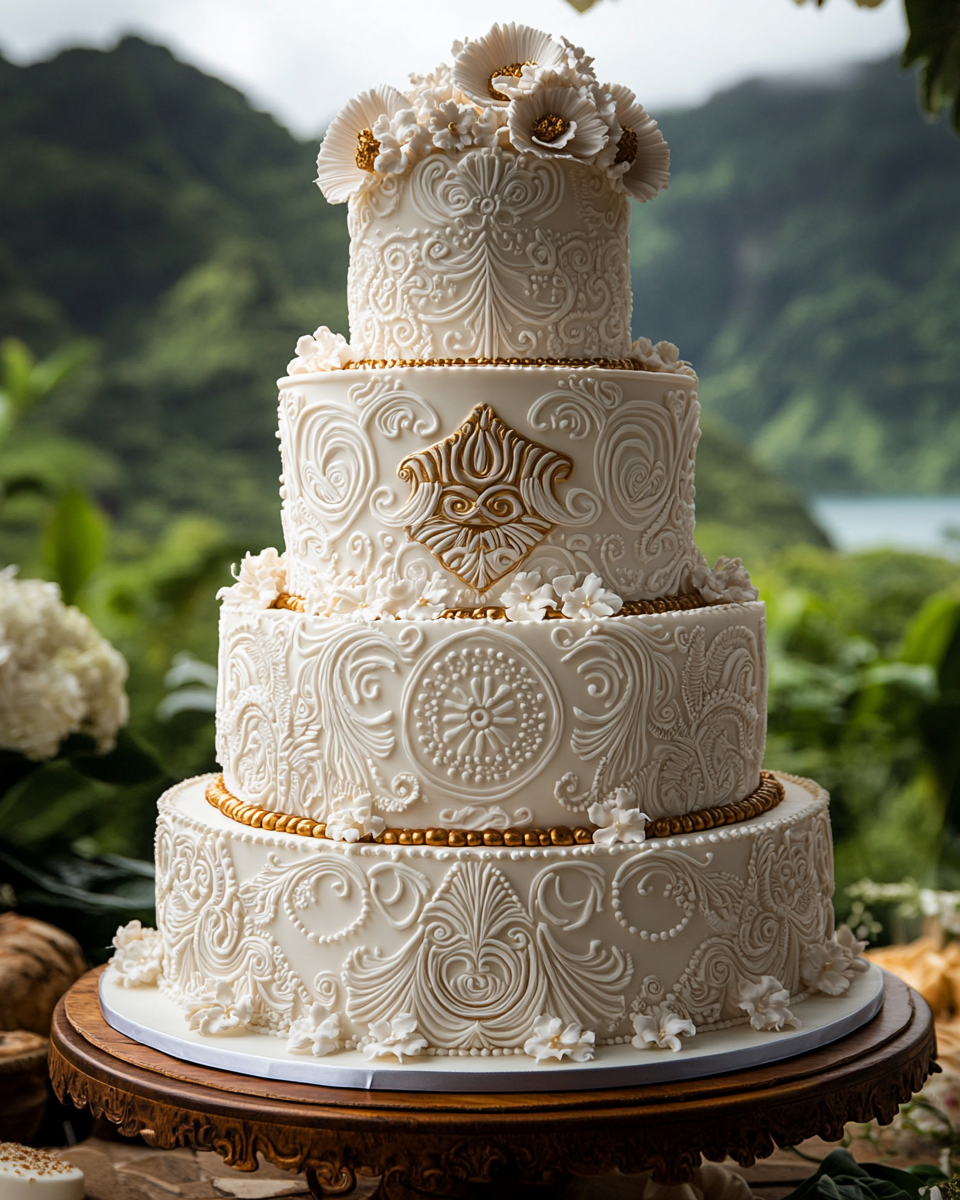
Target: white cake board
151, 1019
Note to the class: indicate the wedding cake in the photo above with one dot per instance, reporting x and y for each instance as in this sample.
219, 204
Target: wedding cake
491, 729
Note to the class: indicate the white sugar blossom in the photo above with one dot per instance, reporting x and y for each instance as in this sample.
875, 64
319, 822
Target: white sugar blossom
260, 579
431, 599
57, 674
526, 599
728, 582
661, 1029
590, 599
219, 1010
664, 356
398, 1037
317, 1033
766, 1003
401, 142
374, 600
456, 127
618, 821
557, 121
499, 57
637, 154
554, 1040
322, 350
347, 158
138, 956
355, 822
428, 91
830, 967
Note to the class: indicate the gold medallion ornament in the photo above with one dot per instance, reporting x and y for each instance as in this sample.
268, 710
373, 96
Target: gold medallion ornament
600, 364
482, 498
763, 799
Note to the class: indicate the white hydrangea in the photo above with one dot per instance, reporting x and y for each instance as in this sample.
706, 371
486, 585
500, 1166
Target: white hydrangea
138, 957
664, 356
57, 674
322, 350
260, 580
727, 582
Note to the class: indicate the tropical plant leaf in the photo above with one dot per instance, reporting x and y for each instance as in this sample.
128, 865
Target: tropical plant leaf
74, 541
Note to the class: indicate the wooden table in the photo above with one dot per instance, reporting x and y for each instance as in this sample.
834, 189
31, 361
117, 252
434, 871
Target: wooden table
435, 1144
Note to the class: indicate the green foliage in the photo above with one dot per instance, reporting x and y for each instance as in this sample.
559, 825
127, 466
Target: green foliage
73, 541
934, 42
841, 1177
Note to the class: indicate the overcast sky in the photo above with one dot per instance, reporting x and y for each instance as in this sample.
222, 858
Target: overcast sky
301, 59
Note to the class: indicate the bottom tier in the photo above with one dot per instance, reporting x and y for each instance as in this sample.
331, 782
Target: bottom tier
478, 944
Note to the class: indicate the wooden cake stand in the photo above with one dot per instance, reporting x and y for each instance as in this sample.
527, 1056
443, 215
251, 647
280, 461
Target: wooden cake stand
429, 1143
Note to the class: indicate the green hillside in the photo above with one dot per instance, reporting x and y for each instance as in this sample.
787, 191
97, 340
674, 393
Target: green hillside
807, 258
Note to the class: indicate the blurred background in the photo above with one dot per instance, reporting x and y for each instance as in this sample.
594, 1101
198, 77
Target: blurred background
162, 248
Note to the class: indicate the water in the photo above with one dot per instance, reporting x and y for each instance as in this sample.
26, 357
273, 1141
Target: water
926, 524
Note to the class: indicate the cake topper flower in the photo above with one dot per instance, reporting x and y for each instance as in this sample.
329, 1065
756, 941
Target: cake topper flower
349, 152
499, 58
557, 121
641, 157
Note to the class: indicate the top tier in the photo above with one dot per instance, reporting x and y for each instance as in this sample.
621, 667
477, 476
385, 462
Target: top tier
488, 206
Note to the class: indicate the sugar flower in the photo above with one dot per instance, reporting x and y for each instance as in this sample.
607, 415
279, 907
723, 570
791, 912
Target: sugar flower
765, 1003
455, 127
854, 948
830, 967
618, 821
526, 599
350, 149
431, 600
398, 1037
373, 600
138, 956
641, 157
557, 121
401, 141
727, 582
661, 1028
500, 56
554, 1040
590, 599
316, 1033
219, 1009
259, 581
322, 350
57, 674
355, 822
664, 356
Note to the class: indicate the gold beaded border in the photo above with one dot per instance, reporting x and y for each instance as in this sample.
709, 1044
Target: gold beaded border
680, 602
606, 364
763, 799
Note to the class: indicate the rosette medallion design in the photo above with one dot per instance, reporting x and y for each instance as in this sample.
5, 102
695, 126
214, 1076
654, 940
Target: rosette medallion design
482, 715
482, 498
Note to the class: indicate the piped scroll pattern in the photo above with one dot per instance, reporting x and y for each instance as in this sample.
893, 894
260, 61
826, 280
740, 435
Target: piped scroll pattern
481, 967
676, 720
644, 460
756, 925
478, 271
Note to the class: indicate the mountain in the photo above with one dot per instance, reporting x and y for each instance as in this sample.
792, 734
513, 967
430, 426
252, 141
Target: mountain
806, 257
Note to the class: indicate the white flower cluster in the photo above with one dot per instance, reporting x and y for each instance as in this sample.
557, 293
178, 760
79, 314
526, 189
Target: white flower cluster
317, 1033
830, 967
766, 1004
219, 1009
398, 1037
260, 580
727, 582
664, 356
379, 598
515, 88
357, 820
619, 820
138, 957
57, 674
552, 1039
322, 350
527, 598
661, 1028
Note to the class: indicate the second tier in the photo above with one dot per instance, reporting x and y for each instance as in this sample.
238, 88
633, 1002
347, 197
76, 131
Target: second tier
484, 724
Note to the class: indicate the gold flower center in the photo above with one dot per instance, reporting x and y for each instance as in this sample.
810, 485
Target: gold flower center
367, 149
514, 69
453, 129
549, 127
627, 147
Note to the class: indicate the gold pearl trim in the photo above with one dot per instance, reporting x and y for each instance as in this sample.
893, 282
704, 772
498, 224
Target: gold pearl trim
606, 364
767, 796
680, 602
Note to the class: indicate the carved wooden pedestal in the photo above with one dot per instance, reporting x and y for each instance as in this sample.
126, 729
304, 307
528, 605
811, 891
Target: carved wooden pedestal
428, 1143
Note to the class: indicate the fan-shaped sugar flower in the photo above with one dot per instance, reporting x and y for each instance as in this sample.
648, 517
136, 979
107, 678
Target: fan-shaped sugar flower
456, 127
350, 149
557, 121
57, 674
501, 55
317, 1033
664, 356
554, 1040
590, 599
219, 1009
138, 956
260, 579
766, 1003
431, 600
356, 821
661, 1029
727, 582
526, 599
398, 1037
618, 821
322, 350
640, 157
